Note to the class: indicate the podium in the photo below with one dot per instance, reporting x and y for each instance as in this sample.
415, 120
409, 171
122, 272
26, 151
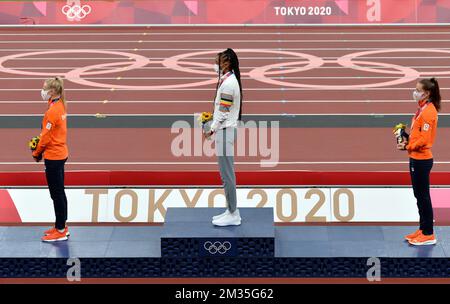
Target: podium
189, 233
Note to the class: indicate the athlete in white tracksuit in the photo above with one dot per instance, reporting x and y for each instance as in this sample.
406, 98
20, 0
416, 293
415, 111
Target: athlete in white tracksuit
227, 112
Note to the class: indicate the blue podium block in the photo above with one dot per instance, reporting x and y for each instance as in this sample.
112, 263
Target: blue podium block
188, 232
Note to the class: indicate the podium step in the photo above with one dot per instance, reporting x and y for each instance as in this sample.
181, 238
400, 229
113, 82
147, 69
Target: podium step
188, 232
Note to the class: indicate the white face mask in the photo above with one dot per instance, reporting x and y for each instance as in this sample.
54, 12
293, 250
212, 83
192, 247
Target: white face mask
418, 96
44, 95
216, 68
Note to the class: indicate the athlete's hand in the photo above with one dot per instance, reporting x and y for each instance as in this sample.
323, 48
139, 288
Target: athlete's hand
37, 158
209, 134
402, 146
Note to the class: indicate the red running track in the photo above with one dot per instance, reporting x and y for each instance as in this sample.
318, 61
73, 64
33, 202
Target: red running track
382, 85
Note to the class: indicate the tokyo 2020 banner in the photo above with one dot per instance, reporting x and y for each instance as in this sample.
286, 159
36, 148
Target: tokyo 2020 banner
225, 12
291, 205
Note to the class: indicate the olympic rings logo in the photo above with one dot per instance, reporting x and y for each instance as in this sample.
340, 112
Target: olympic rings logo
76, 11
273, 74
217, 247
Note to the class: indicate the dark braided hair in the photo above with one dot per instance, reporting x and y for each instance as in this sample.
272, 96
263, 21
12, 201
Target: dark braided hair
218, 72
230, 56
431, 85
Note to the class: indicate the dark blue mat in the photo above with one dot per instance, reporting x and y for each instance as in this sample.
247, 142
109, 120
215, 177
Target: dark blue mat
313, 251
291, 241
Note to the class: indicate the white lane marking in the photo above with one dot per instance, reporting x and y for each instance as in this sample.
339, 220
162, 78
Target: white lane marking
130, 102
206, 68
246, 89
211, 49
299, 33
253, 114
71, 58
238, 163
240, 58
221, 41
205, 78
224, 25
368, 101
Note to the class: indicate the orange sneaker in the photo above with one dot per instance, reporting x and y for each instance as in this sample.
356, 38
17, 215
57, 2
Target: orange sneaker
55, 236
52, 230
411, 236
423, 240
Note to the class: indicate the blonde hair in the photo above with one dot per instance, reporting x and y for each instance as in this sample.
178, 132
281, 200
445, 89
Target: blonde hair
57, 84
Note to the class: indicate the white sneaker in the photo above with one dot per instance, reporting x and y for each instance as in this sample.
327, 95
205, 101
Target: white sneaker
231, 219
216, 217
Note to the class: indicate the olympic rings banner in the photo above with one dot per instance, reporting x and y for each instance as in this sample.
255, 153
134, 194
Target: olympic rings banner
290, 204
224, 12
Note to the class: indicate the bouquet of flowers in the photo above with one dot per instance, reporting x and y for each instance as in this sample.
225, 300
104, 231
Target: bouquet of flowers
33, 143
400, 133
205, 121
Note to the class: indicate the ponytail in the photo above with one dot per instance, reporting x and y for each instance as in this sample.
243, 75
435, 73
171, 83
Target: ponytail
432, 86
231, 56
62, 93
219, 55
435, 94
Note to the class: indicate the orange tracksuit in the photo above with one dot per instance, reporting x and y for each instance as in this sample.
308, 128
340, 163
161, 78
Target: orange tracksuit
53, 136
423, 132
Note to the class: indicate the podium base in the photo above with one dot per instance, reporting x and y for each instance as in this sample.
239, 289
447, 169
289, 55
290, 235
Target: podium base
189, 232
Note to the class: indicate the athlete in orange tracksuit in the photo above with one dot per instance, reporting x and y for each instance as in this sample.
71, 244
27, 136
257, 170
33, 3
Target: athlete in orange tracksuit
53, 148
421, 139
